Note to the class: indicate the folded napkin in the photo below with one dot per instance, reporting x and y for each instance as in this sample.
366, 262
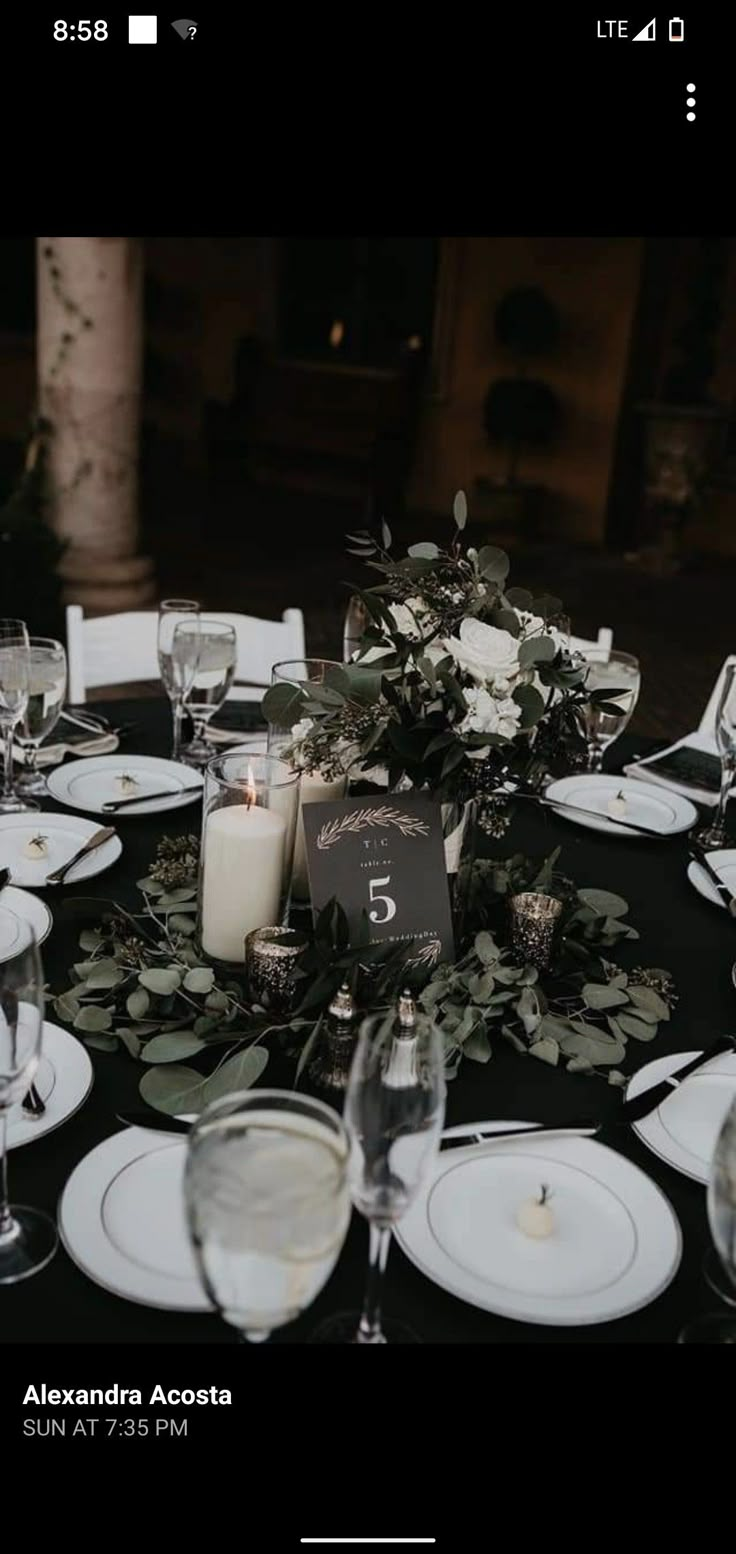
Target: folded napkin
51, 755
685, 768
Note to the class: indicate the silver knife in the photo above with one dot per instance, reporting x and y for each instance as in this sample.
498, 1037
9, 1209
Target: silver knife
703, 862
98, 840
596, 814
111, 806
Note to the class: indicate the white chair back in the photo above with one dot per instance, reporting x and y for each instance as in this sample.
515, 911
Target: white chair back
708, 720
122, 649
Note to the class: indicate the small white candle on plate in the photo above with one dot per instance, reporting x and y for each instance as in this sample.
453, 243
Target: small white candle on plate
243, 867
313, 788
617, 806
535, 1217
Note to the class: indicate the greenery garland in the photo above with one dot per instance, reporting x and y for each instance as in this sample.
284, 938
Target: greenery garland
143, 985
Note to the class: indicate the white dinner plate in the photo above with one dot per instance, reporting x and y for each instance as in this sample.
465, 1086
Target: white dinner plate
64, 836
121, 1219
63, 1080
645, 805
723, 860
16, 908
91, 783
615, 1247
685, 1128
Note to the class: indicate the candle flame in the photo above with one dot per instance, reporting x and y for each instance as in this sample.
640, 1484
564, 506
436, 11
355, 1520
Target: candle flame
250, 788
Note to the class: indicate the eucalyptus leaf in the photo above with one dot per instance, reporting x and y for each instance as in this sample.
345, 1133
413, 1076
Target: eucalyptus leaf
171, 1047
101, 1042
604, 903
477, 1046
426, 551
493, 564
648, 1000
238, 1073
90, 939
181, 924
104, 976
282, 704
172, 1089
93, 1018
547, 1049
137, 1003
160, 980
67, 1007
600, 995
150, 886
201, 979
460, 510
641, 1030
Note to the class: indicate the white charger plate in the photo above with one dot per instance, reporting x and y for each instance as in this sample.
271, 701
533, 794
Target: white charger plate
723, 860
63, 1080
121, 1219
65, 835
685, 1128
91, 783
645, 805
16, 908
616, 1245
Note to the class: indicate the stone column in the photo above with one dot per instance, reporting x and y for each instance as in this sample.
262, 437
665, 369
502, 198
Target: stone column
89, 357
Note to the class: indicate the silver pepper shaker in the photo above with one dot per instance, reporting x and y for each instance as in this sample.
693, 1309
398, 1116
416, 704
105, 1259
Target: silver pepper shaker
402, 1065
329, 1065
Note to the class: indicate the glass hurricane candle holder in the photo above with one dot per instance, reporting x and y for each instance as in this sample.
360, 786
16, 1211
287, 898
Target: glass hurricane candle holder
248, 826
534, 919
284, 737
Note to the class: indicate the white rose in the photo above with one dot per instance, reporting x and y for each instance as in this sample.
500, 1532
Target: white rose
486, 715
300, 730
531, 625
406, 618
487, 652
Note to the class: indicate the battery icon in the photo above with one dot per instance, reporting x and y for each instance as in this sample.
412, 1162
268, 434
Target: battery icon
677, 29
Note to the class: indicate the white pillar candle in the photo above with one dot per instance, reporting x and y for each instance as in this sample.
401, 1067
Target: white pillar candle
313, 788
243, 866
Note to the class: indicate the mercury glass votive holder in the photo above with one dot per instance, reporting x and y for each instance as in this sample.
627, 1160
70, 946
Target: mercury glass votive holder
534, 920
272, 957
250, 809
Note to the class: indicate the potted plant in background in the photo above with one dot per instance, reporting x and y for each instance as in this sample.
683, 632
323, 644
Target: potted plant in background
520, 411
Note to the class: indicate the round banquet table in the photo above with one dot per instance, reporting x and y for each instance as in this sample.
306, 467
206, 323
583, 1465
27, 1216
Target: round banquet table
679, 931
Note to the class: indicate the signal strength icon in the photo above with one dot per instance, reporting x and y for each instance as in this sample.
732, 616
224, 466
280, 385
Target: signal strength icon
648, 34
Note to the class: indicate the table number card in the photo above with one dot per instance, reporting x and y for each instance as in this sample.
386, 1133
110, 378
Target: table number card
383, 856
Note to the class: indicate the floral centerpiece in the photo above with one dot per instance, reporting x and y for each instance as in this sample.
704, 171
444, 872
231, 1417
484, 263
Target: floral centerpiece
460, 685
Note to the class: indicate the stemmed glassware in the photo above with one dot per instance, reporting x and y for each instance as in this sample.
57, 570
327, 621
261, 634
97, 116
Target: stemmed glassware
394, 1114
28, 1237
267, 1204
14, 679
614, 679
716, 835
46, 692
174, 671
721, 1327
214, 672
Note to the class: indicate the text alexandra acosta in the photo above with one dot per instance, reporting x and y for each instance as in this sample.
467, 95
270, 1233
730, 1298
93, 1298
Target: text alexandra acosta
87, 1396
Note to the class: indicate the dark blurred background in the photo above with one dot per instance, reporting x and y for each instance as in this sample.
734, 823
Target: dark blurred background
580, 390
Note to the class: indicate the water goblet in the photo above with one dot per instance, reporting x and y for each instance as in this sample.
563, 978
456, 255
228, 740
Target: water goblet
28, 1237
613, 681
14, 680
175, 668
716, 835
267, 1204
46, 692
216, 649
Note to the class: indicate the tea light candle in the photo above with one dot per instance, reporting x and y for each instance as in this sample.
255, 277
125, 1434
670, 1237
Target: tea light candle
243, 865
313, 788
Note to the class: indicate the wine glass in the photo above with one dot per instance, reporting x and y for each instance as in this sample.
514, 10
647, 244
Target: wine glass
721, 1327
267, 1204
394, 1114
171, 613
28, 1238
214, 673
14, 678
716, 835
614, 679
46, 692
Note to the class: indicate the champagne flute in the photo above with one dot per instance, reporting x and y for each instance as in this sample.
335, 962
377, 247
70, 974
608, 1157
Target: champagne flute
171, 613
614, 679
716, 835
267, 1204
214, 673
394, 1114
46, 692
14, 679
721, 1200
28, 1238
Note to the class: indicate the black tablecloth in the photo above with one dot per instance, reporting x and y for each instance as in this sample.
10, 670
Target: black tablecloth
679, 931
